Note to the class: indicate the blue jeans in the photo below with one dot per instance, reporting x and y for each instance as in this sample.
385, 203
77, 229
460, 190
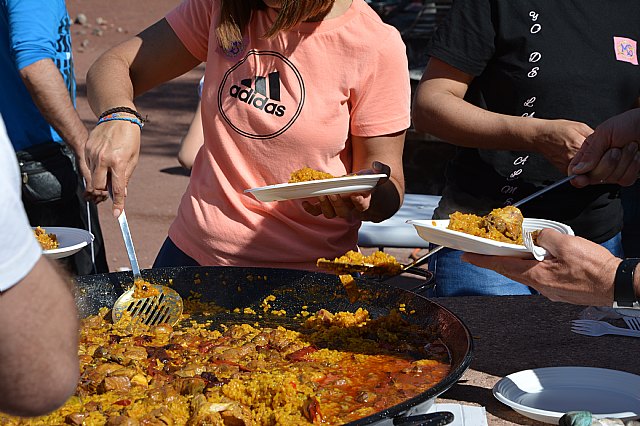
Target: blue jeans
454, 277
631, 229
171, 255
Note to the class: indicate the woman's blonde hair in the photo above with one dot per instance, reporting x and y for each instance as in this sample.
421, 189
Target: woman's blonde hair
236, 14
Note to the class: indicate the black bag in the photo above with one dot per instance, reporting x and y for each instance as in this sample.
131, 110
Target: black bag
48, 173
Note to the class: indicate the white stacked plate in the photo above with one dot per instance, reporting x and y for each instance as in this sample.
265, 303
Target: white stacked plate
546, 394
436, 232
315, 188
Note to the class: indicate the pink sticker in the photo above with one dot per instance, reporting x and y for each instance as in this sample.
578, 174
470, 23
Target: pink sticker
625, 49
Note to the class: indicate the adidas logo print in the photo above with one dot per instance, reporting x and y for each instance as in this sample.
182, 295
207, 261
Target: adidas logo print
257, 96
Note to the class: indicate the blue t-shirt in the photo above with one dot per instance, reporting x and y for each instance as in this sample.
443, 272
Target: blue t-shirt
31, 30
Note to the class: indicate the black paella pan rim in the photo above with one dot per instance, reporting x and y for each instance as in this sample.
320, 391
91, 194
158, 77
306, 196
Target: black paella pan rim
239, 287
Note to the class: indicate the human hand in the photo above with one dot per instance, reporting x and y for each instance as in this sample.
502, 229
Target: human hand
334, 205
346, 206
377, 168
610, 154
112, 154
93, 195
560, 140
579, 271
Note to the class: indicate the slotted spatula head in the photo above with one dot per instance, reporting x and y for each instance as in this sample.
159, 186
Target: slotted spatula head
163, 307
147, 303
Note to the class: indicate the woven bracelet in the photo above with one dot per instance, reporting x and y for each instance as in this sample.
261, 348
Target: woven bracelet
118, 117
123, 109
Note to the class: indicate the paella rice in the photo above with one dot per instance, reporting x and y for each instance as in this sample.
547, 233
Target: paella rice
378, 262
48, 241
334, 368
503, 224
306, 174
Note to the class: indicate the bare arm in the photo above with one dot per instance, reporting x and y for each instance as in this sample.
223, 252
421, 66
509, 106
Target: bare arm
49, 92
125, 71
440, 109
386, 198
192, 141
154, 56
39, 351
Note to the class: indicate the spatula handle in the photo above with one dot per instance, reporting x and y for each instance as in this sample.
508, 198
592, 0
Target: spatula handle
543, 190
128, 243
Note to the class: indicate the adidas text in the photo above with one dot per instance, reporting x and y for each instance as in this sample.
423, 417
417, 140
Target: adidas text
250, 97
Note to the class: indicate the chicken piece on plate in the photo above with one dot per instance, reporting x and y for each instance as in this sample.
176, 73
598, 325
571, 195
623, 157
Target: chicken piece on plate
506, 221
504, 224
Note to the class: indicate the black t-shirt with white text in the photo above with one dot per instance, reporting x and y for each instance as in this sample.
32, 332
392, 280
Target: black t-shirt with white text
549, 59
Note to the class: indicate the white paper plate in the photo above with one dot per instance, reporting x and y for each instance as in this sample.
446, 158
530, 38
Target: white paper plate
546, 394
315, 188
70, 240
436, 232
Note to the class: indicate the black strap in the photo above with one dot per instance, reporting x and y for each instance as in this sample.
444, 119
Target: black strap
624, 295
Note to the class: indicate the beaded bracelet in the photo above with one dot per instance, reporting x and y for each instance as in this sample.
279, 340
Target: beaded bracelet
118, 117
123, 109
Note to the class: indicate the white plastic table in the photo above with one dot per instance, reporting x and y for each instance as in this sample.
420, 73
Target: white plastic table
395, 232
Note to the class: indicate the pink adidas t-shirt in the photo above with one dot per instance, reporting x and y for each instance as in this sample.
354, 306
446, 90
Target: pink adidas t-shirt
275, 106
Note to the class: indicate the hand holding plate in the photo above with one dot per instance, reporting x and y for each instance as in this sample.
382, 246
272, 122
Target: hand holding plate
376, 168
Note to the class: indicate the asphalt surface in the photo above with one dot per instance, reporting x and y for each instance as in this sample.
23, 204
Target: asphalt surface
158, 181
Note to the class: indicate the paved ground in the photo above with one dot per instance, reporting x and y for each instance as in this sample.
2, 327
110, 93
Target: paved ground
158, 181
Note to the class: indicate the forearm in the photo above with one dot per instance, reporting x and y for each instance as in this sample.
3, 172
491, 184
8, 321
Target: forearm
109, 84
39, 335
386, 198
459, 122
192, 141
50, 94
440, 109
154, 56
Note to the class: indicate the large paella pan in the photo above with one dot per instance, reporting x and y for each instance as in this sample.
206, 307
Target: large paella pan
251, 303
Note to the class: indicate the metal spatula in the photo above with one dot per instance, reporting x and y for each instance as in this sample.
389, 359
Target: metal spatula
164, 305
385, 270
341, 268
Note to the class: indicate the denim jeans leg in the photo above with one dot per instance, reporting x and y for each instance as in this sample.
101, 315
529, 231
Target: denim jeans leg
630, 196
614, 245
454, 277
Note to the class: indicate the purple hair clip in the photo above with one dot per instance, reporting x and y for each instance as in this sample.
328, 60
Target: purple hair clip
236, 48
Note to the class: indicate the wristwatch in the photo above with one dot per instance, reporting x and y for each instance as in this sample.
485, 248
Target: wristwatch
624, 295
